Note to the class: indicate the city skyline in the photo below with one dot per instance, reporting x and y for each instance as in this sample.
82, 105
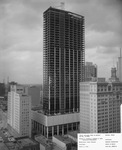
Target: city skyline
21, 42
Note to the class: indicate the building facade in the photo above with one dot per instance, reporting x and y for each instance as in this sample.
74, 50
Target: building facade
54, 124
90, 71
2, 89
63, 65
19, 109
100, 107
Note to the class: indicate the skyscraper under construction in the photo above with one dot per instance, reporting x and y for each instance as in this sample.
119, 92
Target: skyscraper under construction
63, 70
63, 60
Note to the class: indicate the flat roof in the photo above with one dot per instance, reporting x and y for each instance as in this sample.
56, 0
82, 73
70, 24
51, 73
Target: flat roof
65, 11
12, 146
73, 134
43, 140
20, 142
26, 142
46, 142
55, 147
64, 139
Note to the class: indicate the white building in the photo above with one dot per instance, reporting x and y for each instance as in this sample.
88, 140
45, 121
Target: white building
100, 107
19, 108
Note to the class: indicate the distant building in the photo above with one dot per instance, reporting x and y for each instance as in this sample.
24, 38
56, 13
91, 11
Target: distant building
19, 109
90, 71
41, 98
2, 89
119, 67
34, 92
100, 106
113, 75
3, 119
3, 103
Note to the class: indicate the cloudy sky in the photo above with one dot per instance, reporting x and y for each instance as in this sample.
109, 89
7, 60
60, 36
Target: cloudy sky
21, 35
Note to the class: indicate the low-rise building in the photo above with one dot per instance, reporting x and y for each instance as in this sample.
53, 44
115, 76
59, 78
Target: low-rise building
64, 142
22, 144
45, 144
57, 143
49, 125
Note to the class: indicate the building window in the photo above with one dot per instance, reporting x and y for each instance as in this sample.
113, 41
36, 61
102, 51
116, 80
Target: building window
109, 88
49, 131
65, 129
69, 127
60, 130
55, 130
74, 126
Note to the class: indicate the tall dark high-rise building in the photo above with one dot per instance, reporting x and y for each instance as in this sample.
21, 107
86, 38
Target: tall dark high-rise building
63, 70
63, 60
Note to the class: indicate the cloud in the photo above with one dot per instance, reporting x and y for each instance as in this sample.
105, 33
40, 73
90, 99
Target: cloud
105, 58
21, 30
98, 38
22, 67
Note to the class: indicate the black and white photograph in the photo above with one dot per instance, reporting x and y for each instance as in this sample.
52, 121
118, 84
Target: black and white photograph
60, 74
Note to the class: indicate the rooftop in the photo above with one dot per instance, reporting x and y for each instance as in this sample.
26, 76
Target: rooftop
64, 139
12, 146
43, 140
26, 142
20, 143
61, 10
73, 134
55, 147
46, 142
